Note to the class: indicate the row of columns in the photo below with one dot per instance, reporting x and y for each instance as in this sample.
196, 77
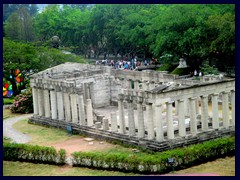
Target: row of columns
181, 114
58, 104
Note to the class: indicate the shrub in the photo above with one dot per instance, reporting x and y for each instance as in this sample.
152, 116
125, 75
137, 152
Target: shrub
34, 154
167, 67
23, 102
207, 69
180, 71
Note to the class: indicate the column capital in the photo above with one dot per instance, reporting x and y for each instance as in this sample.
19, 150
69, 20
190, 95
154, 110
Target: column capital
180, 100
204, 96
169, 102
215, 94
225, 92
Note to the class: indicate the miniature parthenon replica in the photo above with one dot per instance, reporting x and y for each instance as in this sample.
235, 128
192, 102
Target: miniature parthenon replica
151, 109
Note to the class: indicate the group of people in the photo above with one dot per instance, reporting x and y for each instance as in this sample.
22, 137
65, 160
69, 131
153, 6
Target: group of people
123, 64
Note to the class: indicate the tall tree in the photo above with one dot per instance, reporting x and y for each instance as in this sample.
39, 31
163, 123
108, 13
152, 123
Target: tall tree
19, 26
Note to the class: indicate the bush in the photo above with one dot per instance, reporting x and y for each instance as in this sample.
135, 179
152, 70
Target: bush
34, 154
23, 103
167, 67
181, 71
207, 69
157, 162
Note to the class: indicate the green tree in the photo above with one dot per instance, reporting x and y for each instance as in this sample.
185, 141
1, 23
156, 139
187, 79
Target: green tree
19, 26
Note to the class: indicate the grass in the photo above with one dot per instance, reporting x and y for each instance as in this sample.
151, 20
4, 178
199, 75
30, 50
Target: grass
42, 135
8, 114
29, 169
222, 167
7, 101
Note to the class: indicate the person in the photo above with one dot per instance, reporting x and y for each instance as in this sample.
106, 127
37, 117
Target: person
195, 73
97, 62
200, 73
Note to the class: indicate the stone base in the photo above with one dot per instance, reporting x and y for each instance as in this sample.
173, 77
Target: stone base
142, 142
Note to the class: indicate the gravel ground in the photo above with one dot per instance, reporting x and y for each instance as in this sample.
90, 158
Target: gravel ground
12, 133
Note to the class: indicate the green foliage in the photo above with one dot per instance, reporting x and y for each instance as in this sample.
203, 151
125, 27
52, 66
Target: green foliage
180, 71
23, 102
207, 69
7, 101
157, 162
35, 154
166, 67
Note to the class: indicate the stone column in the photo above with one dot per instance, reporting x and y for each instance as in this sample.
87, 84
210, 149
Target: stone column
186, 107
67, 107
176, 108
47, 103
53, 104
60, 105
197, 106
81, 111
35, 100
114, 126
150, 126
136, 85
40, 102
105, 124
225, 109
170, 129
215, 119
233, 107
181, 118
89, 113
74, 111
141, 130
193, 118
122, 129
131, 123
204, 116
159, 123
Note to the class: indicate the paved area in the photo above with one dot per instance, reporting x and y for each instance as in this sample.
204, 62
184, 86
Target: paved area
12, 133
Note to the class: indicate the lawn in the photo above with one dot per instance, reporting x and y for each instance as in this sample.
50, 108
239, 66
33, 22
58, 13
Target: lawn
222, 167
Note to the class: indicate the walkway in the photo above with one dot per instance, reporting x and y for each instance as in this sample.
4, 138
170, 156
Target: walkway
12, 133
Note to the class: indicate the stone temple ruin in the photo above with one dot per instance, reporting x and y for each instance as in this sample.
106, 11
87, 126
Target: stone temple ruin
151, 109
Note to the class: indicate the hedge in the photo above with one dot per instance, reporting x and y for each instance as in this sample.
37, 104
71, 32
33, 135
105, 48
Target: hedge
33, 153
157, 163
138, 162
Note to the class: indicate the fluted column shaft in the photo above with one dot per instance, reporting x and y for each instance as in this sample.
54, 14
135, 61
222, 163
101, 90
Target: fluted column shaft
233, 107
114, 126
47, 103
35, 100
53, 104
193, 117
131, 122
74, 110
141, 130
60, 105
136, 85
225, 110
150, 126
159, 123
89, 113
181, 119
204, 116
67, 107
122, 129
40, 102
215, 118
170, 129
81, 110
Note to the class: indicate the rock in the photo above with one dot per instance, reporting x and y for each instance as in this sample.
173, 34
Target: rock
88, 139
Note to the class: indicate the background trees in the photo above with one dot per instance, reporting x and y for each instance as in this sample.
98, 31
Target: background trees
198, 32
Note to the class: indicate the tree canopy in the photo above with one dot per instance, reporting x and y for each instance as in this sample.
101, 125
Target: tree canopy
197, 32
